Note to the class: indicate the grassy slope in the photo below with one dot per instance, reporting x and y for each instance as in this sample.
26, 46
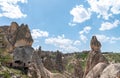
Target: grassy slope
112, 57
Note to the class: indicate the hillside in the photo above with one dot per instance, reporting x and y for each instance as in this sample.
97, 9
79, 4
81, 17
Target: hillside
69, 59
18, 59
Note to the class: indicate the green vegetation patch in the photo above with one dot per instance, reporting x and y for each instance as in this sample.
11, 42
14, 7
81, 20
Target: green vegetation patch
113, 57
6, 72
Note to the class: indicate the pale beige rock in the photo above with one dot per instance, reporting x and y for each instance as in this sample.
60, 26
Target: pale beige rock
22, 42
96, 71
111, 71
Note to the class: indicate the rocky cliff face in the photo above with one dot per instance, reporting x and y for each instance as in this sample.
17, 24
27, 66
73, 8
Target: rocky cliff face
16, 35
18, 40
23, 55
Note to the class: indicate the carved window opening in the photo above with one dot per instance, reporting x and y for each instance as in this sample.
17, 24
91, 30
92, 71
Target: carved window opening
18, 62
29, 62
24, 65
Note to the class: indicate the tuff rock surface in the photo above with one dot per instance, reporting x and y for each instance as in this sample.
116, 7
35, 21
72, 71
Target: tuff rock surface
96, 71
37, 69
23, 54
94, 56
16, 36
111, 71
78, 70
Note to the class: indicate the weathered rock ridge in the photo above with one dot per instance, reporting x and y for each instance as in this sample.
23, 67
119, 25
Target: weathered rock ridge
15, 35
18, 40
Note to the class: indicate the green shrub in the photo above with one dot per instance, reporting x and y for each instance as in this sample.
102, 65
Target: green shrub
70, 68
113, 57
81, 56
6, 74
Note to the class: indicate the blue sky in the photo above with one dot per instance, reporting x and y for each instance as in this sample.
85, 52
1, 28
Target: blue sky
66, 25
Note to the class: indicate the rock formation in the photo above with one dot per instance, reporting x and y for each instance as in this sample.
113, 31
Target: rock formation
23, 55
37, 69
49, 63
95, 44
19, 41
15, 35
96, 71
12, 33
111, 71
78, 71
59, 64
24, 36
94, 56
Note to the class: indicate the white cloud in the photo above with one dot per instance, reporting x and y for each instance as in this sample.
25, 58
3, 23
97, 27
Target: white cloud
101, 7
86, 30
80, 14
103, 38
36, 47
77, 42
11, 9
63, 43
108, 25
36, 33
83, 38
105, 8
115, 6
71, 24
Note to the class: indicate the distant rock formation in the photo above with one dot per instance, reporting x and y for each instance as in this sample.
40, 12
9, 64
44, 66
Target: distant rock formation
16, 36
49, 63
53, 61
95, 44
59, 64
78, 71
94, 56
37, 69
